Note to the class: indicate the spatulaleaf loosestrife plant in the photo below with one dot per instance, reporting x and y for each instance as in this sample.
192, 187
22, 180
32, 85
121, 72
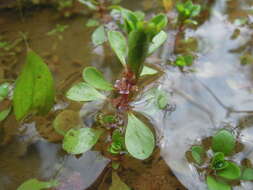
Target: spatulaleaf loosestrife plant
187, 12
144, 37
220, 170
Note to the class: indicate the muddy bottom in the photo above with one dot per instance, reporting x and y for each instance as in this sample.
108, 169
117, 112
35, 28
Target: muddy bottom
24, 152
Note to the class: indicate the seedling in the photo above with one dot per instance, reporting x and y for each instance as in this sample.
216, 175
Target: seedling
57, 31
183, 61
219, 169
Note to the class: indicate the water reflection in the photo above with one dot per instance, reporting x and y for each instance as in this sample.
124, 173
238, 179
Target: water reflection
216, 95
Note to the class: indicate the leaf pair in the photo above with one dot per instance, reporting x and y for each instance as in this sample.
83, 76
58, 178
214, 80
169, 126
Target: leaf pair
136, 49
87, 91
187, 11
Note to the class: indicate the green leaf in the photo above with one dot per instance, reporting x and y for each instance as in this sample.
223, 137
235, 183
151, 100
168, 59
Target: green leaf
184, 60
92, 23
148, 71
160, 21
195, 10
117, 144
247, 174
216, 185
157, 41
4, 90
232, 172
65, 121
81, 140
117, 184
34, 184
223, 141
197, 153
139, 15
219, 162
94, 78
84, 92
138, 43
34, 89
98, 36
130, 19
4, 114
119, 45
161, 99
139, 139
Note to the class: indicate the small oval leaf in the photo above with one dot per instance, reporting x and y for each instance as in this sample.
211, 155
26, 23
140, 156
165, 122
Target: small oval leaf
148, 71
157, 41
247, 174
4, 114
119, 45
139, 139
4, 90
98, 36
216, 185
223, 141
81, 140
65, 121
197, 154
84, 92
34, 184
232, 171
93, 77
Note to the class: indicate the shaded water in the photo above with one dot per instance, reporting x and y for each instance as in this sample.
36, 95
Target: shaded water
217, 94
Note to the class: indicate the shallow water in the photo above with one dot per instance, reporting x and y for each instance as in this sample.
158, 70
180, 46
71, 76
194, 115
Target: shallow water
217, 94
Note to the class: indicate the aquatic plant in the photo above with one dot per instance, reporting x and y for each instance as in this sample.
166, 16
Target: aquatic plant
135, 137
217, 166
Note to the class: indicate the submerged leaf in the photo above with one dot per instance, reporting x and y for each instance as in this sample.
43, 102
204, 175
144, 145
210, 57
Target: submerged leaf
157, 41
216, 185
34, 89
148, 71
93, 77
197, 153
98, 36
119, 45
84, 92
223, 141
247, 174
34, 184
81, 140
232, 171
92, 23
117, 184
4, 114
4, 90
65, 121
140, 141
